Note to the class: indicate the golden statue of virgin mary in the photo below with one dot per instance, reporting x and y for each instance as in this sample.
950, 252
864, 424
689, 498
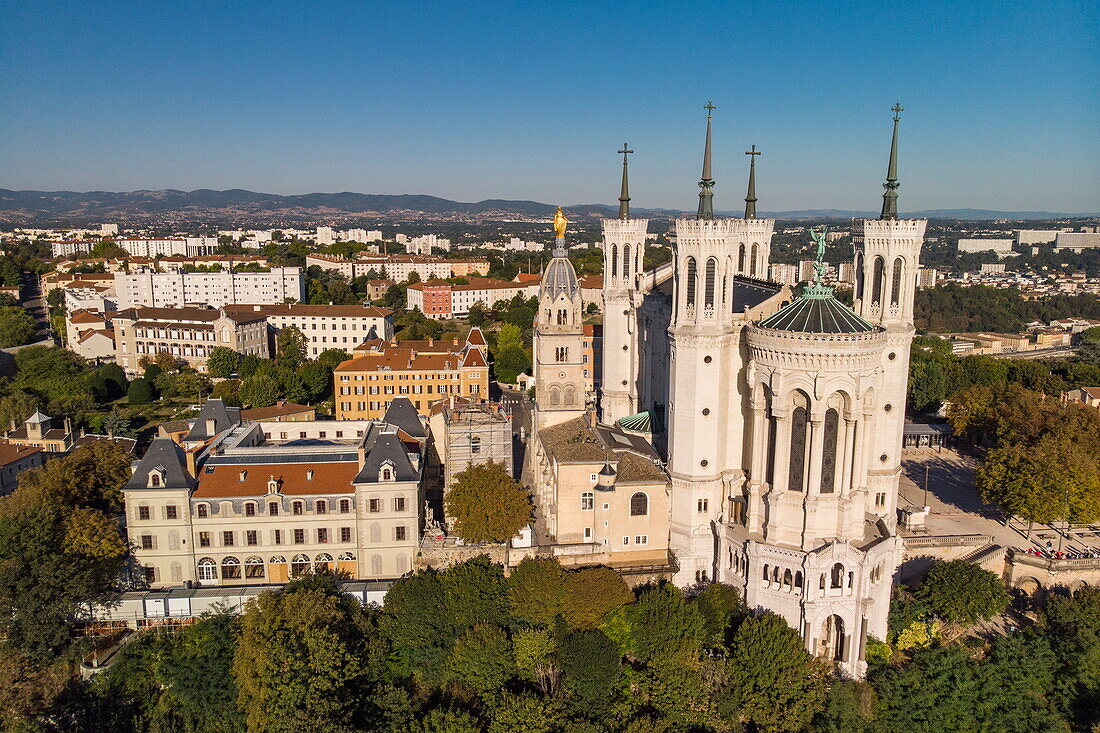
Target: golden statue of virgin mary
559, 224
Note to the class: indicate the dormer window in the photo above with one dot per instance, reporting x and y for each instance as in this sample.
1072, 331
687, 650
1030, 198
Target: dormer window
272, 486
156, 479
244, 475
309, 475
386, 472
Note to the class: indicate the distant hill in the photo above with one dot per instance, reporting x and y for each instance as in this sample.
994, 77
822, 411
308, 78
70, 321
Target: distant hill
238, 205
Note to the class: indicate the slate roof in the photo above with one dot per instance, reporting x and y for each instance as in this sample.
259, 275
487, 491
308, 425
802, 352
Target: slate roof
263, 413
817, 315
402, 414
560, 277
749, 292
574, 441
163, 453
224, 418
381, 447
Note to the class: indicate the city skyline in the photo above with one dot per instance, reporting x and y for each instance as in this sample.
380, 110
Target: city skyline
532, 106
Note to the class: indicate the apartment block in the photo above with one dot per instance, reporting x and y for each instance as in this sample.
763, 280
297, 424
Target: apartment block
422, 371
215, 289
189, 334
262, 502
329, 326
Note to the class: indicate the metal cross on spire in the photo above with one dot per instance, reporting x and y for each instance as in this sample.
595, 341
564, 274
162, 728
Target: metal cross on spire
624, 194
750, 198
890, 197
897, 109
706, 182
709, 107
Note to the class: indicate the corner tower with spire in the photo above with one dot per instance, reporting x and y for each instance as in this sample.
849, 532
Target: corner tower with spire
558, 342
623, 255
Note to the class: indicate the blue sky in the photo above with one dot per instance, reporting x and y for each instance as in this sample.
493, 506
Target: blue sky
471, 100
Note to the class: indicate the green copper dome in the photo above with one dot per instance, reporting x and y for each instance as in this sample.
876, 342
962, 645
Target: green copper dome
817, 314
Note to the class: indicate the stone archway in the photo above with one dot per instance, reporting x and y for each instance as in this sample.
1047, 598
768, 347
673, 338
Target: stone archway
832, 641
1029, 586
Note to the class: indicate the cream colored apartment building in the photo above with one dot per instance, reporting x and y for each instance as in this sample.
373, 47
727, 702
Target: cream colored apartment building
189, 334
254, 505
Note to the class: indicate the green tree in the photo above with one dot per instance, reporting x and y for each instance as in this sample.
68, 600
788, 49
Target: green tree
1072, 626
721, 608
536, 590
301, 659
16, 407
17, 327
780, 685
222, 361
257, 391
487, 504
482, 658
590, 669
509, 362
140, 392
290, 348
960, 592
332, 358
590, 593
534, 651
478, 315
315, 380
525, 712
1056, 479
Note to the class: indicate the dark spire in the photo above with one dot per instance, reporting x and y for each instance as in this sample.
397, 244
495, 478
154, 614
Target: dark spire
750, 199
706, 183
624, 194
890, 198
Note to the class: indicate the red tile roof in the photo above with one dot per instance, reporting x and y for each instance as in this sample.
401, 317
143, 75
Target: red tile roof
225, 480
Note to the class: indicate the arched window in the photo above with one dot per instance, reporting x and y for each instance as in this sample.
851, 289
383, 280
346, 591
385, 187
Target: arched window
614, 261
752, 261
555, 396
639, 504
626, 262
154, 479
588, 501
767, 576
895, 285
725, 287
798, 579
323, 563
254, 568
741, 259
836, 577
708, 285
231, 568
570, 395
828, 447
796, 476
690, 281
299, 565
788, 580
877, 282
376, 565
859, 275
320, 506
208, 569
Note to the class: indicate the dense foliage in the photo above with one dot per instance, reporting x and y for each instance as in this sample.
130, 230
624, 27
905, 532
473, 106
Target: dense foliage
467, 649
954, 308
487, 505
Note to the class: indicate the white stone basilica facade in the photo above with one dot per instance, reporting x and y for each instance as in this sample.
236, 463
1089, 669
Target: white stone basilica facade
781, 417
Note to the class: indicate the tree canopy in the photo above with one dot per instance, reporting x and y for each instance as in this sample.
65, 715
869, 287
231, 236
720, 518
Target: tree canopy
487, 505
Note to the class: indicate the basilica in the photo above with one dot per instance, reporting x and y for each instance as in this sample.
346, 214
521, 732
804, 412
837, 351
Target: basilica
772, 422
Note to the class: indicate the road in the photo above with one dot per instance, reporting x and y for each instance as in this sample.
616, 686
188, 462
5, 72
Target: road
35, 304
519, 405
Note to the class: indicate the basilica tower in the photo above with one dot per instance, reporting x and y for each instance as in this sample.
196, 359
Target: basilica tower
623, 254
558, 342
887, 252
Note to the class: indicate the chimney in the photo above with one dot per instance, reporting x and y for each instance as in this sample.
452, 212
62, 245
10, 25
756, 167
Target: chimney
192, 470
68, 424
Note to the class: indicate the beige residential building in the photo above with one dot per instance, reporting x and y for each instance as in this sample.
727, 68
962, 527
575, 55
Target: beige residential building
423, 371
330, 326
189, 334
1089, 396
90, 334
399, 267
255, 503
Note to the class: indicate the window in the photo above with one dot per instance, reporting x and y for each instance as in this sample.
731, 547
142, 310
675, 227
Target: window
204, 539
690, 287
588, 500
170, 512
231, 568
708, 284
345, 506
836, 577
273, 508
588, 533
639, 504
345, 534
202, 511
701, 505
299, 536
475, 444
376, 505
250, 537
227, 539
626, 540
399, 533
298, 508
320, 506
147, 542
250, 509
143, 512
322, 536
154, 479
208, 569
641, 539
399, 504
299, 564
277, 537
253, 568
